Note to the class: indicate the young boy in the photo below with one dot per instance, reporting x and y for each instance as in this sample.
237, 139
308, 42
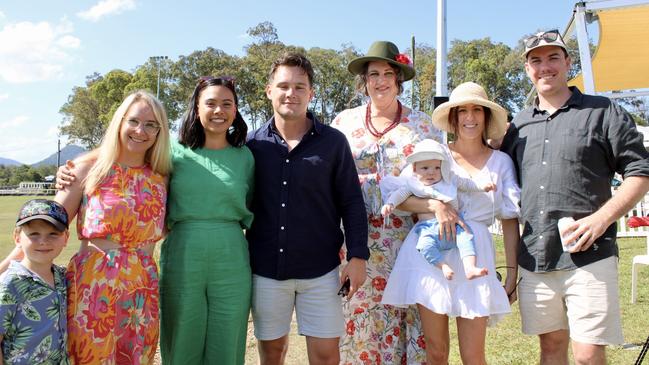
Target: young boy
33, 299
433, 179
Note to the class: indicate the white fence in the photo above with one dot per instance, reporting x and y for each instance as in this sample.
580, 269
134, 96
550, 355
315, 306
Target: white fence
640, 210
30, 188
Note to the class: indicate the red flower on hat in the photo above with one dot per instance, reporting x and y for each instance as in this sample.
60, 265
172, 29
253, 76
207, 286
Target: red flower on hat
403, 58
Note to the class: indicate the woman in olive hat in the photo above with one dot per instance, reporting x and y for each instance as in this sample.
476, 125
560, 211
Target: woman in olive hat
381, 133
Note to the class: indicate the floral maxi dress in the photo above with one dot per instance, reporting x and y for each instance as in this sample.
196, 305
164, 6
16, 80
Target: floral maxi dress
377, 333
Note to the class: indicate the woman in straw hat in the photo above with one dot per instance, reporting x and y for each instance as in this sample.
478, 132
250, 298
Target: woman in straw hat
473, 119
381, 134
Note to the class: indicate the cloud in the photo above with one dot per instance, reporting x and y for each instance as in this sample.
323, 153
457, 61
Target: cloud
15, 122
52, 131
35, 51
105, 8
4, 96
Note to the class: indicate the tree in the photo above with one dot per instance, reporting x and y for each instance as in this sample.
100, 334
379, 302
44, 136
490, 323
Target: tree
252, 75
187, 71
81, 117
333, 84
424, 82
89, 109
264, 33
145, 77
494, 66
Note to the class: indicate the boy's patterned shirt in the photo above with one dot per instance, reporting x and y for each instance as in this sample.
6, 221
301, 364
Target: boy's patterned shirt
33, 318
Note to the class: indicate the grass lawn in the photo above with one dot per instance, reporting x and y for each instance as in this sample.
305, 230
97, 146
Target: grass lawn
505, 343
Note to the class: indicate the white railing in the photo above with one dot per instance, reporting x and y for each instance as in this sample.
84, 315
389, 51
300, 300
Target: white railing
640, 210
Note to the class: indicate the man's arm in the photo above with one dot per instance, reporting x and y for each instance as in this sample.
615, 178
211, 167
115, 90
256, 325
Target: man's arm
347, 192
591, 227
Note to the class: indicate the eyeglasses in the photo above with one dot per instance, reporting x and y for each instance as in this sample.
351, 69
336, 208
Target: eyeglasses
500, 278
548, 37
149, 127
224, 79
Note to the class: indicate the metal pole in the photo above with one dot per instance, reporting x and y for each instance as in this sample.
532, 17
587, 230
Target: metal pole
584, 49
441, 84
58, 153
157, 60
157, 88
412, 85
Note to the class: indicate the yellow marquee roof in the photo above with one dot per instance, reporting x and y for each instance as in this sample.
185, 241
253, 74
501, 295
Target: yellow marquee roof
621, 60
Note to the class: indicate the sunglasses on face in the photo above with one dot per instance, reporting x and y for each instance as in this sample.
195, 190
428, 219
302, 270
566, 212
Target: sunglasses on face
548, 37
224, 79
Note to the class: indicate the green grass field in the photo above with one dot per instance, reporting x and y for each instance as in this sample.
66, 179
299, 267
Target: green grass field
505, 343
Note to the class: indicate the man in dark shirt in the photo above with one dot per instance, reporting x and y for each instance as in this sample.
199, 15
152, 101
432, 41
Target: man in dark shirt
305, 184
566, 149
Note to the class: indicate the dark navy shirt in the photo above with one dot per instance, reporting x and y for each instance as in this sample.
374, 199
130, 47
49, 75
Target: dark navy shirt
565, 162
299, 201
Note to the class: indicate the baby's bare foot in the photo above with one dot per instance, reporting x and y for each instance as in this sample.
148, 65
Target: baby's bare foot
475, 272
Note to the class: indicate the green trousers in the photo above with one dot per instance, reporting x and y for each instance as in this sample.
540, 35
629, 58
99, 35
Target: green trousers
205, 290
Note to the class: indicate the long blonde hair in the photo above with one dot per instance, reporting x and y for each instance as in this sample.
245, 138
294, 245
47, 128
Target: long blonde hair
157, 156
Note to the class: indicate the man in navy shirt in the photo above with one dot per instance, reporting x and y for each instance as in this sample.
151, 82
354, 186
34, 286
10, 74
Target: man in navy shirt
305, 185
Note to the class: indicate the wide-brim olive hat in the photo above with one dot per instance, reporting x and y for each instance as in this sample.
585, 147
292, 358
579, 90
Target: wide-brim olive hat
471, 93
384, 51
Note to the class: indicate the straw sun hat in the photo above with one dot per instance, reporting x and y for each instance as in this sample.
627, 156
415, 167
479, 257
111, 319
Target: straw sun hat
471, 93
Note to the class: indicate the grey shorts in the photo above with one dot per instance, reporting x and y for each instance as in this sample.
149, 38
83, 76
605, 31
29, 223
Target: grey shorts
316, 302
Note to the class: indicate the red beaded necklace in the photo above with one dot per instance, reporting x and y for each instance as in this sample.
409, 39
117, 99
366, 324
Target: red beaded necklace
370, 127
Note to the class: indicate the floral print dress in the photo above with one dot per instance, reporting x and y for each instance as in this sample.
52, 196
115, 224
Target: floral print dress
113, 295
377, 333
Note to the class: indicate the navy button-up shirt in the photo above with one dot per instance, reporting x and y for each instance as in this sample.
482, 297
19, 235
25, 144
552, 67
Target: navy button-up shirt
299, 200
565, 162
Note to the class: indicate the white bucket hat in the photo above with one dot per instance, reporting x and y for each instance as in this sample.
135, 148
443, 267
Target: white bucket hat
471, 93
429, 149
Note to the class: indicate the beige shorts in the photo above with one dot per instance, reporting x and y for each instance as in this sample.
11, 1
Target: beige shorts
584, 301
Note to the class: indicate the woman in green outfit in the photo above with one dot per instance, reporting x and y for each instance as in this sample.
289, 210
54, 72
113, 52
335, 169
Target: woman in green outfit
205, 279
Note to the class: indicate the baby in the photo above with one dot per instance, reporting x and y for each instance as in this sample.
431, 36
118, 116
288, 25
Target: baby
432, 178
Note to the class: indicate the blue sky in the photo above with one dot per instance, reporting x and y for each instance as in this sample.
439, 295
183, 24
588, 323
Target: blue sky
48, 47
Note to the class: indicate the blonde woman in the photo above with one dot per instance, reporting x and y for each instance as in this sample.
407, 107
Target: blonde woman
119, 198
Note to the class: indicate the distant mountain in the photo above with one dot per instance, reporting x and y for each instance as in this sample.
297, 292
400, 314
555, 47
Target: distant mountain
69, 152
9, 162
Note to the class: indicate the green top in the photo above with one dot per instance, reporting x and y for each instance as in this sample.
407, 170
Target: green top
210, 185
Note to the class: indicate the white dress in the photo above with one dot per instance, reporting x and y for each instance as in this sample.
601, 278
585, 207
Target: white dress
413, 280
